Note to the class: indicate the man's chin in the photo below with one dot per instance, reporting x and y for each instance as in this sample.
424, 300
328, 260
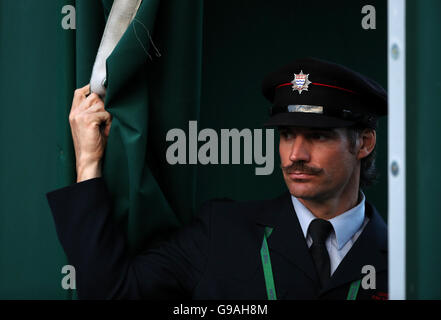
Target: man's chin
303, 190
304, 196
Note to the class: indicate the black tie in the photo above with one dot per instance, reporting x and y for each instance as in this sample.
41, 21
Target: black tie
319, 230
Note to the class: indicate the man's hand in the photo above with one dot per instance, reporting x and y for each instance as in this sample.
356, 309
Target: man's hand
90, 125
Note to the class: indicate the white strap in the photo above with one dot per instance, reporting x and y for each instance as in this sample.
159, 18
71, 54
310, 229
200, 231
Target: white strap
121, 14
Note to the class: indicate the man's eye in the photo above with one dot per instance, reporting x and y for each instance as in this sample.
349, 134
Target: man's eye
286, 134
318, 136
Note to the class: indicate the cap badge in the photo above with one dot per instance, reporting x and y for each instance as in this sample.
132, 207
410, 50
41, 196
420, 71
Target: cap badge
300, 82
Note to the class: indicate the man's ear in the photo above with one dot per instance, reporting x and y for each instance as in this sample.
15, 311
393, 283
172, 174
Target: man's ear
368, 139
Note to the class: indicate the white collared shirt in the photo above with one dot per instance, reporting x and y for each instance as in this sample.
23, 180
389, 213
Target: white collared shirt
347, 227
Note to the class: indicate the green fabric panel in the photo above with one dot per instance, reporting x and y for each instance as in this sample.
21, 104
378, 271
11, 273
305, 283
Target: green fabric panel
36, 83
423, 155
147, 95
90, 22
41, 65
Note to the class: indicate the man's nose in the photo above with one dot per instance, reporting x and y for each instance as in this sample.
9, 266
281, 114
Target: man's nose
300, 150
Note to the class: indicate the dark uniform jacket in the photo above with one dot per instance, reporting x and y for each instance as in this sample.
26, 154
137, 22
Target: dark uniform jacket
215, 257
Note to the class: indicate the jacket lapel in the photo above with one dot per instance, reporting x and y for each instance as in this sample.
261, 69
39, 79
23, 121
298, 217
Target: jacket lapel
369, 249
287, 237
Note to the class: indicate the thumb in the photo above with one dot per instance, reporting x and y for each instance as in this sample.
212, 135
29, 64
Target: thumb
105, 125
108, 124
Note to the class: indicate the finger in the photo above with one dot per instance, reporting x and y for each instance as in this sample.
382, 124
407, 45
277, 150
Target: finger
97, 107
101, 117
80, 95
105, 126
107, 129
92, 99
86, 89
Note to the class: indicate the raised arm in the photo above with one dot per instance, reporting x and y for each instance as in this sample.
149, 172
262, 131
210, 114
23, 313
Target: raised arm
93, 243
90, 126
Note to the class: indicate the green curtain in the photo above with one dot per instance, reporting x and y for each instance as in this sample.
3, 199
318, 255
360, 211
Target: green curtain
149, 93
213, 57
41, 65
423, 155
37, 76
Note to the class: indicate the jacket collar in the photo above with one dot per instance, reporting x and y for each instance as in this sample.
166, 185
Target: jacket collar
369, 249
345, 225
287, 239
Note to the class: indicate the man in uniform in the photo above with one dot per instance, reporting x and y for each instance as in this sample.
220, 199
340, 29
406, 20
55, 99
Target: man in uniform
320, 240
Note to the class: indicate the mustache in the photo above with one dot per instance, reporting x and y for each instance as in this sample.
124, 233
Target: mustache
300, 166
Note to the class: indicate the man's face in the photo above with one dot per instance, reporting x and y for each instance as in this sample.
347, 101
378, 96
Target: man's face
317, 163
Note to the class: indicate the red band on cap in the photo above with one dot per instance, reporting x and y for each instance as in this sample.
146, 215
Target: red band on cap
318, 84
283, 85
335, 87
